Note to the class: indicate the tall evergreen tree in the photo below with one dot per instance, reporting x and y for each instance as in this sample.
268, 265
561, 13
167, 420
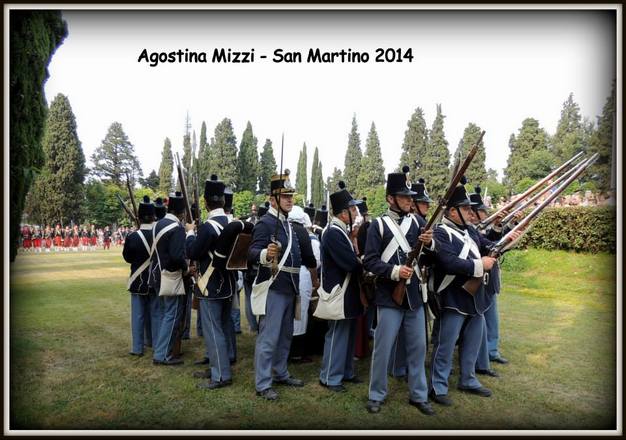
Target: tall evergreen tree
301, 176
152, 181
352, 161
415, 142
115, 157
372, 167
528, 151
59, 190
602, 142
194, 154
166, 184
224, 162
267, 166
569, 134
33, 39
202, 152
333, 180
317, 181
435, 160
248, 161
476, 173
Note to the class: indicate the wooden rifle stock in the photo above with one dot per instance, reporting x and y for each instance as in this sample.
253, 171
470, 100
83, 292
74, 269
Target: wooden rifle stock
132, 200
128, 211
400, 289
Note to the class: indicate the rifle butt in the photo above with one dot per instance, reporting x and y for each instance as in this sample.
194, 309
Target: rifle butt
472, 285
398, 292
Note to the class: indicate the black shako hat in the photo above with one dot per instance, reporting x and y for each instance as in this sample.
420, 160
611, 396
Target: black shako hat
341, 199
310, 211
159, 208
362, 205
280, 184
214, 189
263, 209
477, 199
146, 208
228, 199
176, 203
398, 184
459, 196
420, 190
321, 217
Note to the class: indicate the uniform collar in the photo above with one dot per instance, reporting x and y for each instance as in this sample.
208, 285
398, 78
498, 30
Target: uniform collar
395, 216
146, 226
446, 221
171, 216
274, 213
342, 225
216, 212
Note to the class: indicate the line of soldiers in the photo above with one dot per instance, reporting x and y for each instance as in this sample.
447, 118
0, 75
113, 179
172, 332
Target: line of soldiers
358, 266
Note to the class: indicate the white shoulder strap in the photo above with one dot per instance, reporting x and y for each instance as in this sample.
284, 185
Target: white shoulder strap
156, 239
468, 244
133, 276
399, 238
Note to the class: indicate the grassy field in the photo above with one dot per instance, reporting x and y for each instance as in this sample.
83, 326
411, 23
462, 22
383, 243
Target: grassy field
69, 367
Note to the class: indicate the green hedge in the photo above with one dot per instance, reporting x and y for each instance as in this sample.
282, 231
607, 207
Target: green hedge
580, 229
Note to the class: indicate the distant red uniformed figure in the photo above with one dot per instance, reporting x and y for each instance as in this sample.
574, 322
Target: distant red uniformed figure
75, 238
93, 237
67, 238
107, 238
84, 238
47, 238
27, 241
57, 237
37, 239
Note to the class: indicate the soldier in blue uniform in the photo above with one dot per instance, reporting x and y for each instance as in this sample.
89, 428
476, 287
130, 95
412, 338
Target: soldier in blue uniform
461, 255
389, 239
169, 265
275, 289
339, 293
215, 288
137, 251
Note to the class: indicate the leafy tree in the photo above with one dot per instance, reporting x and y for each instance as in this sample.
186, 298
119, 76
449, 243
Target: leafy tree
376, 200
102, 206
224, 153
415, 142
248, 161
529, 156
59, 190
372, 167
523, 184
33, 39
435, 160
602, 142
152, 181
568, 138
317, 181
332, 182
115, 157
476, 173
242, 202
301, 176
352, 161
166, 183
267, 167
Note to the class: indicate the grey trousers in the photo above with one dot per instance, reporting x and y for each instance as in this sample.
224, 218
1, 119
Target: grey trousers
338, 359
217, 329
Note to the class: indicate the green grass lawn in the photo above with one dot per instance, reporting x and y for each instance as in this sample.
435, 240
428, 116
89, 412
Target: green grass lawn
69, 367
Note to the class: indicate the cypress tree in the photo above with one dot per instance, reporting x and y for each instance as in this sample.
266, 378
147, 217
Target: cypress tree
529, 156
352, 162
568, 138
59, 190
317, 181
248, 161
267, 166
301, 176
166, 184
435, 160
372, 167
202, 152
224, 153
476, 173
415, 142
115, 157
33, 38
601, 142
152, 181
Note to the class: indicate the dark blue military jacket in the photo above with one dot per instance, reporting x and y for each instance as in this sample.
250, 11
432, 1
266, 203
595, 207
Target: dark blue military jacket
285, 282
338, 259
136, 254
222, 283
447, 261
374, 247
170, 249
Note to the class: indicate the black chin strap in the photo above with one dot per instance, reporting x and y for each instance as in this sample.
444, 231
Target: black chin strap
461, 216
397, 210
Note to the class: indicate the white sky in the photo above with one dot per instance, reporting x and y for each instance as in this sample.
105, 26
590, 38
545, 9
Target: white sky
491, 68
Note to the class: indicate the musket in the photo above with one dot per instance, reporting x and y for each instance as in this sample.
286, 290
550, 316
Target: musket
183, 189
132, 200
486, 222
505, 243
128, 211
274, 237
536, 197
196, 200
400, 290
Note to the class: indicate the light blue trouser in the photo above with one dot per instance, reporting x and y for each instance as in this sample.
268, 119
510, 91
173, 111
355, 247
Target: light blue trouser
482, 362
397, 362
252, 319
139, 312
450, 324
274, 339
391, 321
187, 328
172, 307
153, 323
217, 329
493, 328
338, 359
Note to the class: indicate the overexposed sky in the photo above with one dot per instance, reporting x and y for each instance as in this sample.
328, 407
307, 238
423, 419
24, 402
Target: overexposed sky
493, 68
